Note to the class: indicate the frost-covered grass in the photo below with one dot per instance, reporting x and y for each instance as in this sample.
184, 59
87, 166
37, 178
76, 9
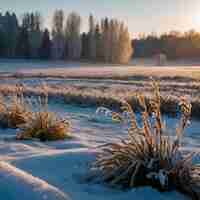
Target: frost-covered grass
116, 72
46, 126
14, 112
32, 119
64, 164
149, 156
109, 93
53, 170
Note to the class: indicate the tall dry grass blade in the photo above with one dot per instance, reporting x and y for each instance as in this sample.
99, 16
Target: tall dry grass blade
151, 158
45, 125
186, 108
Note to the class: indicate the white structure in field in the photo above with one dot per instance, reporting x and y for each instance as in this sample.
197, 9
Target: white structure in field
160, 59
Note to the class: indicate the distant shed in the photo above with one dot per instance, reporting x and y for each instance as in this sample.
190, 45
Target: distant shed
160, 59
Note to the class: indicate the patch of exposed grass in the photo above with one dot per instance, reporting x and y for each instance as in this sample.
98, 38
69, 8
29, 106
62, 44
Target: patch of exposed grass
45, 125
149, 157
110, 96
14, 112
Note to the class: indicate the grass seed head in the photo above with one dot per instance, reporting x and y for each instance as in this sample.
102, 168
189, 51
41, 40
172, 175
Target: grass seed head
149, 156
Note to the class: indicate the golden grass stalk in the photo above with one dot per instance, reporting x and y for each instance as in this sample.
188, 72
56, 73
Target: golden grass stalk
15, 112
45, 125
149, 157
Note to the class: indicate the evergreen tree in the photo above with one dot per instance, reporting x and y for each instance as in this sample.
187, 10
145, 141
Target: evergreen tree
58, 40
3, 43
10, 27
23, 44
105, 40
98, 43
85, 48
14, 29
73, 37
36, 34
91, 39
26, 21
32, 22
45, 49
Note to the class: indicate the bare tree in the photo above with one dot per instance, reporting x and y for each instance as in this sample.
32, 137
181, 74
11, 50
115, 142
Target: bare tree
72, 36
58, 41
91, 38
105, 40
35, 33
125, 49
116, 42
58, 20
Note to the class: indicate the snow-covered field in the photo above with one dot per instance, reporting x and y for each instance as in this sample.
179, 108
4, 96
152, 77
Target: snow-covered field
116, 72
14, 64
56, 170
135, 66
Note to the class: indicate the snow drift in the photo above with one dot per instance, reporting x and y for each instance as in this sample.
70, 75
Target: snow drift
25, 186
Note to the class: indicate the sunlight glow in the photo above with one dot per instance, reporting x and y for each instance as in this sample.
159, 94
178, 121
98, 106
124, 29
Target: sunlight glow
196, 21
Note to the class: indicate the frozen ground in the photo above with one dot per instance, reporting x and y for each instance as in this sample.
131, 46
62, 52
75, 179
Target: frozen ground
116, 72
134, 67
31, 170
15, 64
56, 170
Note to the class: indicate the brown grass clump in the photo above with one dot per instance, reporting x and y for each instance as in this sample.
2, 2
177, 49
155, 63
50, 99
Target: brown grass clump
45, 125
149, 157
16, 112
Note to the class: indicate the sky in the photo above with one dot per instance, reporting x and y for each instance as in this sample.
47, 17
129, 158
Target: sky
141, 16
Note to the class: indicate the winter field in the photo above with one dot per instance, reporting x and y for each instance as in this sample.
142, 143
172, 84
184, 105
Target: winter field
57, 170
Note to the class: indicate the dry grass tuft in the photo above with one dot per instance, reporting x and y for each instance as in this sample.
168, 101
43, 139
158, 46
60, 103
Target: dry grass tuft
45, 125
149, 156
16, 112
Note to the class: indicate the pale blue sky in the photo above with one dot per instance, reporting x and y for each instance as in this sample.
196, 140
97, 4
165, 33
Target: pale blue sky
140, 15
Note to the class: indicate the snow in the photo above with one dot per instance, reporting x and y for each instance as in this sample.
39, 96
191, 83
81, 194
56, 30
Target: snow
57, 170
19, 183
9, 65
112, 71
137, 67
31, 170
61, 176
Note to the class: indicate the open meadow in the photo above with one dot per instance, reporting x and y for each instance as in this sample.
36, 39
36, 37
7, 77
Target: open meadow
60, 169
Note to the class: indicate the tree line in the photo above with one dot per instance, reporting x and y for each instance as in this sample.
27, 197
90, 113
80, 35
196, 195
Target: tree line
107, 40
173, 44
